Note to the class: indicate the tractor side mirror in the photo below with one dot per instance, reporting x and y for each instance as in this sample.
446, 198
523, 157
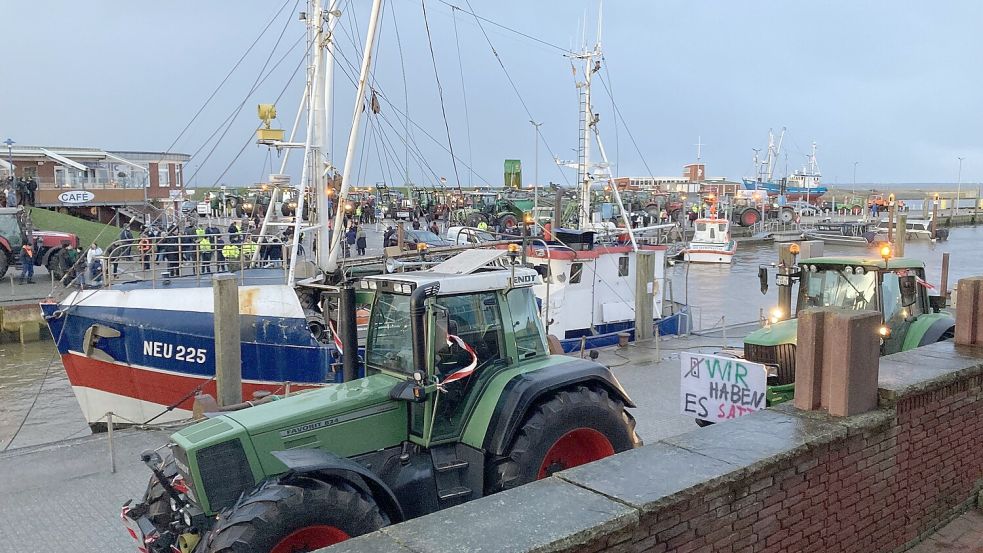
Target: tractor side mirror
408, 391
763, 279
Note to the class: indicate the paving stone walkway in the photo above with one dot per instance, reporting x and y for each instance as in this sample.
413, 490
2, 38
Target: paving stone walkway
965, 534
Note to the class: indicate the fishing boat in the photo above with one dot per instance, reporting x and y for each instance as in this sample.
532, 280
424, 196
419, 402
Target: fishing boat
915, 229
142, 345
711, 242
853, 233
802, 185
588, 293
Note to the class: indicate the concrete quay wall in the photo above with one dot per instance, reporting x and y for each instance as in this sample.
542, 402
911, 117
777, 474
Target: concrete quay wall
777, 480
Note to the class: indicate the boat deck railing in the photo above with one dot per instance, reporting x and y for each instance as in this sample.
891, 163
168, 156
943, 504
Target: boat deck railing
164, 260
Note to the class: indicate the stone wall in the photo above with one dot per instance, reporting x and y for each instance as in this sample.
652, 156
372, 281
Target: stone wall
777, 480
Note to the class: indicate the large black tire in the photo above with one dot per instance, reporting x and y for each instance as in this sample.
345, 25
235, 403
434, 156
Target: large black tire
475, 218
572, 427
508, 221
4, 263
749, 217
786, 215
292, 515
158, 502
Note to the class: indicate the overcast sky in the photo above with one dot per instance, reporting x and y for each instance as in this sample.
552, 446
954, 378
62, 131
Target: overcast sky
894, 85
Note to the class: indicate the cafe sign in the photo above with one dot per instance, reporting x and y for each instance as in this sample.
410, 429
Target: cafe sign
76, 197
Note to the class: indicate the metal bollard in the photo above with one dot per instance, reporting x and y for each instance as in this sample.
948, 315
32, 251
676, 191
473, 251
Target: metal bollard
112, 452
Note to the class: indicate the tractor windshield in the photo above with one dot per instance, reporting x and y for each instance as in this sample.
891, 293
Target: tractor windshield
389, 344
835, 287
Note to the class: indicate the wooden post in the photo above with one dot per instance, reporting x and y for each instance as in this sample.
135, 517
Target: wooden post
902, 235
228, 343
944, 285
935, 218
925, 204
891, 214
400, 234
969, 312
644, 289
811, 248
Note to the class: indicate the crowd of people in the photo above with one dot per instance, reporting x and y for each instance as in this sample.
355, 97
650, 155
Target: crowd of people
18, 192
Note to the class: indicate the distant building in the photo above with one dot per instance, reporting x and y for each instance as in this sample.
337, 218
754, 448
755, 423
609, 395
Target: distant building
110, 178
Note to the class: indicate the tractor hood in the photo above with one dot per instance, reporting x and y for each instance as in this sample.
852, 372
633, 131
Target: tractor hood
344, 419
783, 332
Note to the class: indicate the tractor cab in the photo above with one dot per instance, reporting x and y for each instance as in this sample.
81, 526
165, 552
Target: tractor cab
895, 287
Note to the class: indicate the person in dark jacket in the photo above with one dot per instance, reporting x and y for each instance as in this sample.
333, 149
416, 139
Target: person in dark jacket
360, 240
350, 239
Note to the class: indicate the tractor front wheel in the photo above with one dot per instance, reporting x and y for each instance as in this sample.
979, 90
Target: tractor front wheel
572, 427
156, 498
295, 515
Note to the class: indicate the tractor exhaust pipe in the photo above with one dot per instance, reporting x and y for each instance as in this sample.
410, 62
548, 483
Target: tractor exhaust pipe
348, 332
418, 312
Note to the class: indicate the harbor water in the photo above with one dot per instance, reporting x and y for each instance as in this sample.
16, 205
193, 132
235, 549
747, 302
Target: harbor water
33, 382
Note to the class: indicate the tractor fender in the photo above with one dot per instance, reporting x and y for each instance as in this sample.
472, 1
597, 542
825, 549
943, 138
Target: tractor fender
927, 329
524, 390
4, 244
317, 462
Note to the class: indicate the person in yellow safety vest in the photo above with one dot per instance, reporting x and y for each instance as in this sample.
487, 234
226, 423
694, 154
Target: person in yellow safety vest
231, 254
248, 250
482, 225
199, 231
205, 253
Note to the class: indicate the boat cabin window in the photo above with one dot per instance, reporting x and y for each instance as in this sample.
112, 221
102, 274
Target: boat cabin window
701, 227
623, 266
834, 287
576, 272
722, 227
526, 324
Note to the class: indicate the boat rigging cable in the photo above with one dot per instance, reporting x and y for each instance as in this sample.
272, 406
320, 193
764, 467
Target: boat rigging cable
464, 96
617, 112
510, 29
256, 83
514, 87
406, 99
440, 93
227, 76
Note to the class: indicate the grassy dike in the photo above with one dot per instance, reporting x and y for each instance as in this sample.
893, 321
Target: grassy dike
87, 231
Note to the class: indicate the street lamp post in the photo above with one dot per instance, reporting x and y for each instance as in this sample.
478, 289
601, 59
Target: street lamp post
855, 177
10, 154
959, 185
535, 188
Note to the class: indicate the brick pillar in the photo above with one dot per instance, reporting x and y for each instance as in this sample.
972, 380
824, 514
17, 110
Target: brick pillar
836, 361
969, 311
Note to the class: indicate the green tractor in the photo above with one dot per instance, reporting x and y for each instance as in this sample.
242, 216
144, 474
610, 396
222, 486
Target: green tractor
894, 287
461, 399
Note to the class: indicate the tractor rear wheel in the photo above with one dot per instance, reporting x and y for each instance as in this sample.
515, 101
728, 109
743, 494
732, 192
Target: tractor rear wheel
294, 515
4, 263
508, 221
570, 428
750, 217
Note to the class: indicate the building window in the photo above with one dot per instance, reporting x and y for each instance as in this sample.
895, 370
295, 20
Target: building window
623, 266
163, 175
179, 181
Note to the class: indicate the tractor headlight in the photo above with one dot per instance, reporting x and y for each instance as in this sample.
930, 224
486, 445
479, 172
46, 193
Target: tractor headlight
186, 517
174, 505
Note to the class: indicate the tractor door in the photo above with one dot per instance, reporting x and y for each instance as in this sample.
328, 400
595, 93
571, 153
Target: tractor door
902, 303
474, 352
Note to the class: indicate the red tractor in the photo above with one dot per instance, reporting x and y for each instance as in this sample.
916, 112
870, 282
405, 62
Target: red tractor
15, 232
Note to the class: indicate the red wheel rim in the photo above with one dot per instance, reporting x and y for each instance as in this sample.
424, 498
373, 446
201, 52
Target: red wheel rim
576, 447
310, 538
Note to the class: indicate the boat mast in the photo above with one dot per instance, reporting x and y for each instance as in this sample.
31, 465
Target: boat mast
332, 261
322, 113
592, 64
